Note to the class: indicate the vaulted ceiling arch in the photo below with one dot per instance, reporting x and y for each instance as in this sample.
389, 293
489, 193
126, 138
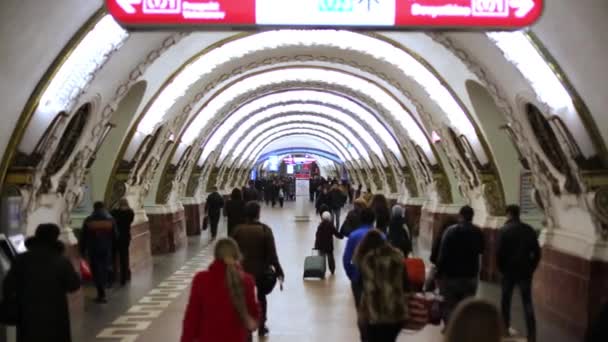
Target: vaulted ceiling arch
326, 119
228, 132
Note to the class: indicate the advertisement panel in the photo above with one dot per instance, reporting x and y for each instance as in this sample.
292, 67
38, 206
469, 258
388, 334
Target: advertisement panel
361, 14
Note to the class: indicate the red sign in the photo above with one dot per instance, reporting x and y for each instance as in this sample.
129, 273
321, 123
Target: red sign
379, 14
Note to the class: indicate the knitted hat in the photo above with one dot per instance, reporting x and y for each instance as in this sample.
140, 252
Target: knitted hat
326, 216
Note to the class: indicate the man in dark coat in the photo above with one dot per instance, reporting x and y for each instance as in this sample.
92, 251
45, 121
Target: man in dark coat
40, 279
337, 200
99, 232
213, 208
256, 242
517, 257
459, 259
124, 215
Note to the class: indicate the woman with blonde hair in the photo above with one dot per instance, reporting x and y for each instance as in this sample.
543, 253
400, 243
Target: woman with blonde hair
222, 305
475, 320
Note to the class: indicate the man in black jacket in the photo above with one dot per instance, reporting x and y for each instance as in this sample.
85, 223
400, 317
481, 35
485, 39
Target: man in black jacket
213, 208
518, 255
99, 231
39, 280
459, 259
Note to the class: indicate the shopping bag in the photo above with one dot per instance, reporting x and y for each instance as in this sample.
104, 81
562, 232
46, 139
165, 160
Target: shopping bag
205, 222
418, 312
416, 273
85, 270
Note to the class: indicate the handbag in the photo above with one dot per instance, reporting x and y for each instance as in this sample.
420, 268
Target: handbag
85, 271
416, 272
269, 277
205, 222
418, 312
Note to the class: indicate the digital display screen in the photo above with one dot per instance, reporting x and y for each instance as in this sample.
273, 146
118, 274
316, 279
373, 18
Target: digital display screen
397, 14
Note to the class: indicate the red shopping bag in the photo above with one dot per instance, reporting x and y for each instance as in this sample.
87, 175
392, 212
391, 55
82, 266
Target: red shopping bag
418, 312
416, 273
85, 270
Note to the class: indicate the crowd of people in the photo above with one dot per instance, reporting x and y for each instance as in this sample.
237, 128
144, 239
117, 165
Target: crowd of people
246, 268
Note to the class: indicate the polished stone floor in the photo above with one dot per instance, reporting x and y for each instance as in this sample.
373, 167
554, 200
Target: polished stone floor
151, 308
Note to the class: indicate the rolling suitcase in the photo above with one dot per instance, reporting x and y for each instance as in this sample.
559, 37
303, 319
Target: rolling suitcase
314, 266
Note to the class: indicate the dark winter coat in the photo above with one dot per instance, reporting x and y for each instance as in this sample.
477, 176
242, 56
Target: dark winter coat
99, 232
124, 219
399, 236
383, 218
518, 250
235, 211
461, 247
214, 204
250, 194
324, 241
323, 199
256, 243
351, 223
41, 278
337, 199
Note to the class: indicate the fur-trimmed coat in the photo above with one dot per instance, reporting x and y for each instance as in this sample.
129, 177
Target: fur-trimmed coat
384, 297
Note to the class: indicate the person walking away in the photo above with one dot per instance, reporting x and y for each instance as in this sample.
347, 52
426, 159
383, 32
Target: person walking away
234, 210
399, 234
430, 282
358, 191
367, 224
38, 283
353, 218
256, 242
474, 320
368, 196
281, 196
99, 232
250, 193
213, 208
322, 199
222, 304
351, 193
312, 186
124, 215
459, 259
337, 199
383, 306
324, 240
383, 214
518, 254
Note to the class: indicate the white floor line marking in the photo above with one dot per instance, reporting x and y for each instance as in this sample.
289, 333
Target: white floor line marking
140, 316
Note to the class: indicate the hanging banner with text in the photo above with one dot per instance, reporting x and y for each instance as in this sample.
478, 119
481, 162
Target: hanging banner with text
362, 14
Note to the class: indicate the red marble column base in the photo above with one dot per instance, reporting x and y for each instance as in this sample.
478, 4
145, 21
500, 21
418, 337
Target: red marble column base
570, 290
430, 224
194, 218
412, 214
489, 270
168, 232
140, 251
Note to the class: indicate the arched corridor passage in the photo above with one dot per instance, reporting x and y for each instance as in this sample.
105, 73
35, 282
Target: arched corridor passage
152, 308
432, 120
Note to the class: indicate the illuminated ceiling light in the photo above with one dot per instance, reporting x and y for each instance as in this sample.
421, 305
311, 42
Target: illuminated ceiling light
307, 109
80, 68
295, 96
345, 40
518, 50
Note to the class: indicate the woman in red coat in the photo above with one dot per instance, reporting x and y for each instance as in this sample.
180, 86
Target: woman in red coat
222, 305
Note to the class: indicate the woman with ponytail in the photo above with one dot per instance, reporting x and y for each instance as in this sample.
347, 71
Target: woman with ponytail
222, 305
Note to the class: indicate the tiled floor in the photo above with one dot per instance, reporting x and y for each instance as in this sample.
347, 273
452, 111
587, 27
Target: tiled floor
151, 308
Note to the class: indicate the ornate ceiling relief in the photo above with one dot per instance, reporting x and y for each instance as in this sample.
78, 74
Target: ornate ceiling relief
547, 184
